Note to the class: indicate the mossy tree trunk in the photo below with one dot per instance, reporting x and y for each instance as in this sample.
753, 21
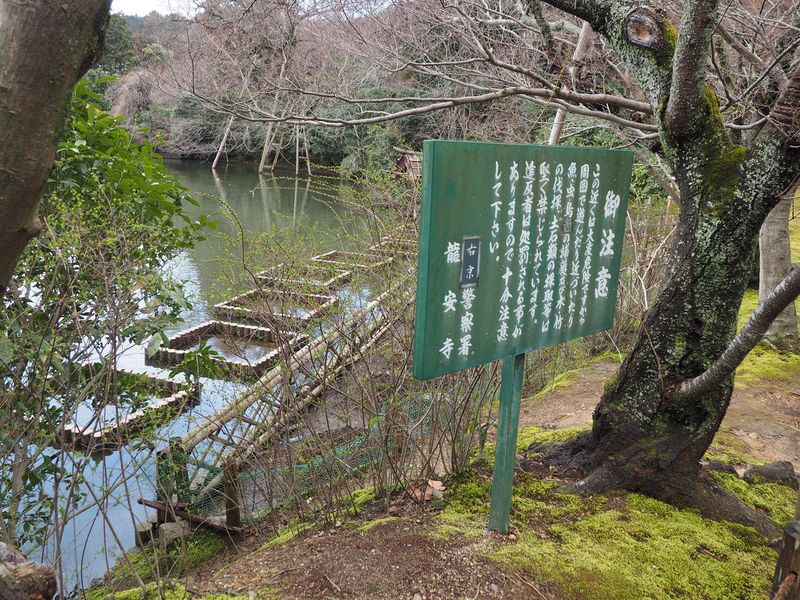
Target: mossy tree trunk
45, 47
646, 437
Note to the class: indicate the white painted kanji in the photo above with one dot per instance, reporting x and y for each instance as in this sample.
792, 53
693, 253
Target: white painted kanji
497, 206
466, 322
467, 298
541, 210
607, 243
588, 248
612, 204
465, 345
449, 303
502, 331
601, 291
453, 252
447, 348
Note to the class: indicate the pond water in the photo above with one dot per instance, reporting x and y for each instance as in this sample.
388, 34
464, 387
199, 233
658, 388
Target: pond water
240, 199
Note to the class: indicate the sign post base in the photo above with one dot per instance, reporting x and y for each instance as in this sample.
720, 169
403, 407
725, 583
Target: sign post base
506, 446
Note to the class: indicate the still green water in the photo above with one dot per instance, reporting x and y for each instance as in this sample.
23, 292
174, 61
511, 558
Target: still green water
316, 209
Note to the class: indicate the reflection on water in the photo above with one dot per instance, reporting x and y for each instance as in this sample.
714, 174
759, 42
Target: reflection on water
241, 200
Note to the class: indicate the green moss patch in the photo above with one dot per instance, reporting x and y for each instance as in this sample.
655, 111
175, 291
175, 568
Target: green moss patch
562, 380
647, 549
171, 591
794, 238
537, 435
750, 298
778, 501
371, 524
722, 172
536, 501
288, 533
766, 365
362, 496
467, 505
540, 435
202, 546
618, 546
728, 448
747, 307
150, 564
144, 566
763, 363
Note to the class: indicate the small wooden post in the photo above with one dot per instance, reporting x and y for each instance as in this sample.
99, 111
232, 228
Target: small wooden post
233, 512
788, 562
222, 143
506, 450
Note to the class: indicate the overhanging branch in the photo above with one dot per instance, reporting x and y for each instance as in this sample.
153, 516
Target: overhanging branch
748, 337
546, 96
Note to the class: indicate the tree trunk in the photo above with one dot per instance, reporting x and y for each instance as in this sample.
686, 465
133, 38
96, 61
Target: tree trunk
775, 264
278, 150
45, 47
307, 151
581, 48
262, 166
222, 143
24, 580
297, 150
643, 439
646, 435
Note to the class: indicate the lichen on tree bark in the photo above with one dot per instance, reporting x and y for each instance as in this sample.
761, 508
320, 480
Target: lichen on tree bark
645, 436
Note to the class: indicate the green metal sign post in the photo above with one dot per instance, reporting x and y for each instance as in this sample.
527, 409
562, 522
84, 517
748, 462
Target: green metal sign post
520, 248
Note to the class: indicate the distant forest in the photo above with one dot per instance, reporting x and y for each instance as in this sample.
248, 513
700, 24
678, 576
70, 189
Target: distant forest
179, 79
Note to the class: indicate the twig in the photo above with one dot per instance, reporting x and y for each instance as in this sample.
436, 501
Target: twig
530, 585
338, 589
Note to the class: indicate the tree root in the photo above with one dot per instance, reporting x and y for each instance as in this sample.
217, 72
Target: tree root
693, 489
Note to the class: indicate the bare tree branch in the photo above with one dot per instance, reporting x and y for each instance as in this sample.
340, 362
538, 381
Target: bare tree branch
748, 337
532, 93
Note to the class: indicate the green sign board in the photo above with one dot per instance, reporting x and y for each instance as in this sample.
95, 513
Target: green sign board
520, 248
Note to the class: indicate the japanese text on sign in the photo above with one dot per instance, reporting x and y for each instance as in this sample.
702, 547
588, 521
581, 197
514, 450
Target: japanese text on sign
552, 219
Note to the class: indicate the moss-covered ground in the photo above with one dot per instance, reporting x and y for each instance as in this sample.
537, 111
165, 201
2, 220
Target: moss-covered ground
730, 449
765, 363
169, 591
149, 565
624, 546
288, 533
794, 238
598, 547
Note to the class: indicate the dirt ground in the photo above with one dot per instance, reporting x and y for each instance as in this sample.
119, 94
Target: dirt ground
398, 559
391, 561
767, 420
764, 418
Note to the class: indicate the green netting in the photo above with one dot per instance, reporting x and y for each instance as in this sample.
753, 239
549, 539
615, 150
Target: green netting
262, 490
